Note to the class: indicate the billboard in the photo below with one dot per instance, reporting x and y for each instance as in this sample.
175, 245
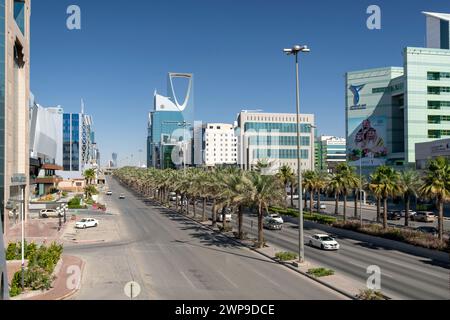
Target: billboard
367, 139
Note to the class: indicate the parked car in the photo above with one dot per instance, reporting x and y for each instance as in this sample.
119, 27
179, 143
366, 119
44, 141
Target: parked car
322, 206
109, 193
429, 230
122, 196
50, 213
275, 217
411, 213
272, 224
324, 242
425, 216
174, 197
227, 217
394, 215
86, 223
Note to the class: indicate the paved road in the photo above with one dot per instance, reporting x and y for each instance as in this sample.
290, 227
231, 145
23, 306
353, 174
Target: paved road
404, 276
173, 258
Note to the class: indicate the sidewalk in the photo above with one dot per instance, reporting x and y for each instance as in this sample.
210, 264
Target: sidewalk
38, 231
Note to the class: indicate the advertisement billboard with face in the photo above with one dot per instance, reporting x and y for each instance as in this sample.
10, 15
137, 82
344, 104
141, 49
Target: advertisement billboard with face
367, 140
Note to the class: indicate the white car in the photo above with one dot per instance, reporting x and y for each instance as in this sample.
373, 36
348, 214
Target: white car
86, 223
49, 213
275, 217
324, 242
227, 217
109, 193
322, 206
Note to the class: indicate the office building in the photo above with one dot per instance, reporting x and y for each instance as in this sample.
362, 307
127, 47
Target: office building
45, 148
79, 151
170, 126
390, 110
273, 137
431, 150
330, 152
14, 102
220, 144
114, 163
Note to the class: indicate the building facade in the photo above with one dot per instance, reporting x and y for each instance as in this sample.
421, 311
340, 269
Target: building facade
170, 126
14, 99
273, 137
330, 152
390, 110
431, 150
220, 144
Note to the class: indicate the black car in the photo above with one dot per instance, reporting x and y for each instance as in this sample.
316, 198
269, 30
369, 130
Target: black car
394, 215
429, 230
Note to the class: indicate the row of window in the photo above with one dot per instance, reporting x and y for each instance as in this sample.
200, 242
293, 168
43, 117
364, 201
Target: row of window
279, 154
438, 75
438, 119
437, 105
438, 134
277, 118
438, 90
279, 141
389, 89
277, 127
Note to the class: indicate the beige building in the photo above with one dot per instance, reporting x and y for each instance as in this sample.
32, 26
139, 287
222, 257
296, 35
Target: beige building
220, 144
14, 101
431, 150
273, 137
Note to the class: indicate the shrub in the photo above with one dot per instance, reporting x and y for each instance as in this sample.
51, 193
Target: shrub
13, 252
64, 194
286, 256
370, 295
321, 272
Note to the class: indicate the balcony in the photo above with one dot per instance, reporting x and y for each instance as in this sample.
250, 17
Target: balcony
53, 180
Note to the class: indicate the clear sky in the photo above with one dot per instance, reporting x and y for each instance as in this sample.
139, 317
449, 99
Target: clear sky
125, 49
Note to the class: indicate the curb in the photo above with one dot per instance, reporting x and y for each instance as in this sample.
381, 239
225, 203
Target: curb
348, 295
74, 291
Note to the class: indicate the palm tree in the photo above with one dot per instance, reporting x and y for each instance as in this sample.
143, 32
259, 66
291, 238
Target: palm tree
436, 185
388, 184
266, 191
286, 176
335, 187
374, 186
349, 181
309, 177
409, 182
89, 191
320, 182
89, 175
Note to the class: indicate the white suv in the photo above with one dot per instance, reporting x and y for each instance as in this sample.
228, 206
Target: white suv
50, 213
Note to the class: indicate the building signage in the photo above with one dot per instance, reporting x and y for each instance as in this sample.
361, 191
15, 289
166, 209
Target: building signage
356, 97
19, 179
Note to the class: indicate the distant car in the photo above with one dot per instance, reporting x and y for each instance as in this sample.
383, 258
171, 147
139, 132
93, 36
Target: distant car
324, 242
122, 196
429, 230
394, 215
174, 198
411, 213
322, 206
425, 216
109, 193
272, 224
50, 213
275, 217
227, 217
86, 223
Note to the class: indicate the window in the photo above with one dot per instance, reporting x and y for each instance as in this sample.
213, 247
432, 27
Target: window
437, 105
438, 90
19, 14
438, 119
438, 75
437, 134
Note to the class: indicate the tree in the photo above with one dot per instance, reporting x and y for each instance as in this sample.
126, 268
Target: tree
387, 183
287, 177
335, 187
436, 185
89, 175
266, 191
349, 181
409, 182
89, 191
309, 177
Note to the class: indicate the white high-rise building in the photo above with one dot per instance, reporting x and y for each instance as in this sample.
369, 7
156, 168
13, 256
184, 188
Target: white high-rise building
220, 144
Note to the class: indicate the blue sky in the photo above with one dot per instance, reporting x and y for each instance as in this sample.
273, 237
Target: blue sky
233, 47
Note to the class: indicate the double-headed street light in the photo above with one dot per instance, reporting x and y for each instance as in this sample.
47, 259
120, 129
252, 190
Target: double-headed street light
301, 245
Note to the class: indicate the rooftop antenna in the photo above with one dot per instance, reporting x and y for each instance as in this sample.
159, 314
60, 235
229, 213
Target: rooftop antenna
82, 106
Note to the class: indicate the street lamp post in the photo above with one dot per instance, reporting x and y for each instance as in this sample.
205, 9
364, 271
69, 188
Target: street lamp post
295, 51
360, 189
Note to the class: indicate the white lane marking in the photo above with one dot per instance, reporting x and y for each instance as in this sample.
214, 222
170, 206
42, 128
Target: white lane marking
266, 278
228, 279
187, 279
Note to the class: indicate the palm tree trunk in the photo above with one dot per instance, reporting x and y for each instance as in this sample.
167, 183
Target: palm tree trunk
176, 201
356, 204
292, 196
187, 206
193, 207
306, 201
378, 209
441, 219
336, 203
311, 198
224, 223
385, 210
240, 223
318, 201
345, 207
260, 228
204, 210
214, 217
407, 204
